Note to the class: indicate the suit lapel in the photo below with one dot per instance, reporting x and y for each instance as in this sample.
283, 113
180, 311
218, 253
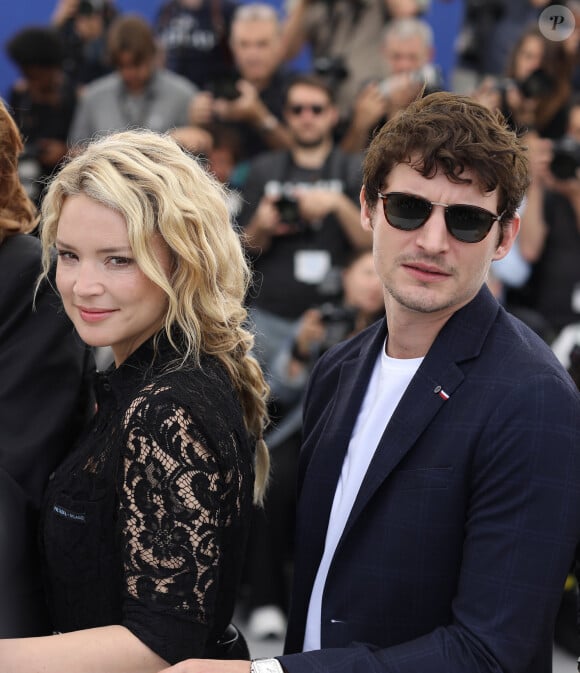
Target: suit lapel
325, 464
437, 379
322, 474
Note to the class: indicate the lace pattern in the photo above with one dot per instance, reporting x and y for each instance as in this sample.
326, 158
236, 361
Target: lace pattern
166, 474
175, 500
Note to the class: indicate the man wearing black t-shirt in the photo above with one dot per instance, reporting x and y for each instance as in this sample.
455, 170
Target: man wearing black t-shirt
249, 99
194, 35
301, 214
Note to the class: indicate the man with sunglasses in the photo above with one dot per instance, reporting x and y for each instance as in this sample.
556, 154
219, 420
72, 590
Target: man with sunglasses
301, 218
439, 478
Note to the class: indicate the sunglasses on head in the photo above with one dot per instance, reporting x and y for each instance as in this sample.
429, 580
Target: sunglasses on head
299, 108
468, 224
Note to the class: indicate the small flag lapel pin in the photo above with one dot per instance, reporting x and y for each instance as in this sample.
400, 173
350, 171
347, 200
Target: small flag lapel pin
438, 390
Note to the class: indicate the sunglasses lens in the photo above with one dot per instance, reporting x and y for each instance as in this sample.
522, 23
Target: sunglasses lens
469, 223
406, 212
298, 109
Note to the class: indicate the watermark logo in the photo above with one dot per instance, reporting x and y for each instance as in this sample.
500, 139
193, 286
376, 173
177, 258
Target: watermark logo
557, 23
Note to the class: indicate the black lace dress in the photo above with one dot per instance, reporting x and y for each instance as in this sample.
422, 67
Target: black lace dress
145, 524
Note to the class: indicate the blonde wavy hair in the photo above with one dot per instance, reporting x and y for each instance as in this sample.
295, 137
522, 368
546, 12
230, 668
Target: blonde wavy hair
17, 212
161, 191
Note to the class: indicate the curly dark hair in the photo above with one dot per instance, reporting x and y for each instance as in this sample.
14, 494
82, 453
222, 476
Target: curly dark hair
36, 46
450, 133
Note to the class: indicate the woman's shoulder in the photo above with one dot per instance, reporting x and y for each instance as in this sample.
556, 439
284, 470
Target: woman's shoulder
188, 388
20, 266
20, 252
189, 405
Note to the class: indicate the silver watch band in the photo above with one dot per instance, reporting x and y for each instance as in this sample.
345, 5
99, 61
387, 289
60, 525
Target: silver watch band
266, 666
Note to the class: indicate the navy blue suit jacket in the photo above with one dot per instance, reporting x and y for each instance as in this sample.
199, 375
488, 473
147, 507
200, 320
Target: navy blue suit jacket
456, 551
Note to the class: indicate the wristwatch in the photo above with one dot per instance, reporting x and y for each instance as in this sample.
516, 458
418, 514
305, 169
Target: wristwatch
266, 666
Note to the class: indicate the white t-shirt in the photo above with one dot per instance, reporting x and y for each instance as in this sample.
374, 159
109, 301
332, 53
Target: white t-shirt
389, 381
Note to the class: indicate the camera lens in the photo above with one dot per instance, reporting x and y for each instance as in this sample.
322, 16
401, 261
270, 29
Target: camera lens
288, 209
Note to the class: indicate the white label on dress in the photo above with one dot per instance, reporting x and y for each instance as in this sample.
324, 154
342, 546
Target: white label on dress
311, 266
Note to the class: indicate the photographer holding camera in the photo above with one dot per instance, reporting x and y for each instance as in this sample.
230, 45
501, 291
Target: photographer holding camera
83, 26
406, 54
550, 232
249, 98
344, 38
486, 37
535, 91
300, 217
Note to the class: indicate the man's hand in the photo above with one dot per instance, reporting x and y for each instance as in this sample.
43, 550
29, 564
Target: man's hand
369, 108
201, 108
264, 225
316, 204
247, 107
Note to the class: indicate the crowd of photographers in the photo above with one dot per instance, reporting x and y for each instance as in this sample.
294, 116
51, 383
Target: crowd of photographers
218, 75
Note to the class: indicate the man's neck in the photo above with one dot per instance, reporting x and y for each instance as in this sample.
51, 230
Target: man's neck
312, 157
140, 91
411, 334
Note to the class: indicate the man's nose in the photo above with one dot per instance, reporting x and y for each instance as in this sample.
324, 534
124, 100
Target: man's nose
433, 235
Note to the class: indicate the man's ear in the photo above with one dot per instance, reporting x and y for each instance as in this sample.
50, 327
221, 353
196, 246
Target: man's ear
366, 216
510, 231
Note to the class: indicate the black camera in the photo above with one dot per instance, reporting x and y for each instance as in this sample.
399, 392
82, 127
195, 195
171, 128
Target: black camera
339, 321
225, 87
290, 211
332, 68
536, 85
330, 313
565, 158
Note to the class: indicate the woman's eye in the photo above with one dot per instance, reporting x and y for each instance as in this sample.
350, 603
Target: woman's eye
120, 261
65, 255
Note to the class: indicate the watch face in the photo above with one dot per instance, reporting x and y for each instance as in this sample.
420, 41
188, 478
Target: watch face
266, 666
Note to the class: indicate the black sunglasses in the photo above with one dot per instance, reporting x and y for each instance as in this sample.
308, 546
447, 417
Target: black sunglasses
468, 224
298, 109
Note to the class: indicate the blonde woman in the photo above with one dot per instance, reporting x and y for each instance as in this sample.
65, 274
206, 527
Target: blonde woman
145, 525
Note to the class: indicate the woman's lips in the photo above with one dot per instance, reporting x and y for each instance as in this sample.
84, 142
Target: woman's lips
94, 314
